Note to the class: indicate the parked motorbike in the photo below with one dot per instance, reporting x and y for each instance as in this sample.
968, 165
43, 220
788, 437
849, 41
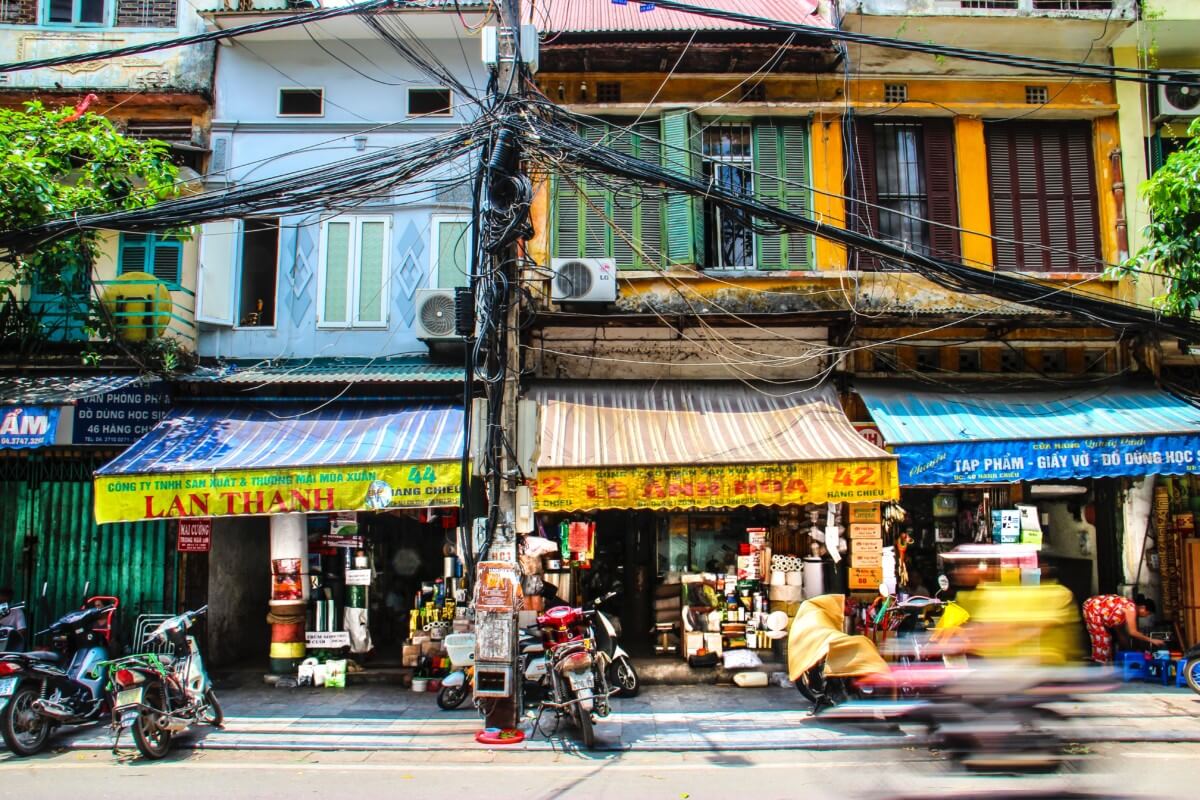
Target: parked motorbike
621, 674
41, 690
1191, 668
459, 684
823, 660
159, 695
578, 670
10, 639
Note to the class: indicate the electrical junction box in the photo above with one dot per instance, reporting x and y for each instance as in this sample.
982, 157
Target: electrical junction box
493, 680
529, 45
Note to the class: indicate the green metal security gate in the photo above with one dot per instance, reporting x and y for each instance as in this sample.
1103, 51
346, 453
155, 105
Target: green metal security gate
48, 536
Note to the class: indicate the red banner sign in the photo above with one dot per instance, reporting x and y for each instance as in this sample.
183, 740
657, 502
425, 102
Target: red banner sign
195, 535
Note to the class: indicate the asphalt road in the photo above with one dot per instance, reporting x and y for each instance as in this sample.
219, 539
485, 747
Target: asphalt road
1103, 771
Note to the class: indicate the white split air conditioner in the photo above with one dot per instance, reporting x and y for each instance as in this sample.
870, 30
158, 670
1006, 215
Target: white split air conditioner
583, 280
1180, 99
435, 314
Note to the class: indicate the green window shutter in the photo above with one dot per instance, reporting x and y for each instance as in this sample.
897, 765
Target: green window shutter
622, 204
132, 250
684, 223
568, 220
337, 272
768, 248
796, 197
372, 245
453, 257
166, 258
597, 233
648, 217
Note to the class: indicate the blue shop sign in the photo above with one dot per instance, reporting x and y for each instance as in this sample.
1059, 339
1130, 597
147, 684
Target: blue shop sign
1041, 460
23, 427
121, 417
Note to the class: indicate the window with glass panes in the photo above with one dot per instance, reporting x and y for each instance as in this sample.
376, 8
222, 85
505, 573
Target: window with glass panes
729, 163
76, 12
902, 180
354, 259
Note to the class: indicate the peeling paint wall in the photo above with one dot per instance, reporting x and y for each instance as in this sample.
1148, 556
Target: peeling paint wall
184, 69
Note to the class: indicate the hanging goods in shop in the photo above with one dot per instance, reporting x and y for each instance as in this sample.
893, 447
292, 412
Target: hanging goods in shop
289, 591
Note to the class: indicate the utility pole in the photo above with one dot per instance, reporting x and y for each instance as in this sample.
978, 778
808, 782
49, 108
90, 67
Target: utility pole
505, 712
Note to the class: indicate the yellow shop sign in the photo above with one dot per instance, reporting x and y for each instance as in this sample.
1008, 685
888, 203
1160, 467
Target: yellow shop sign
682, 487
128, 498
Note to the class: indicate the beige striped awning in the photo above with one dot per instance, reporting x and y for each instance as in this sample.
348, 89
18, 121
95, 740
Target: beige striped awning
693, 445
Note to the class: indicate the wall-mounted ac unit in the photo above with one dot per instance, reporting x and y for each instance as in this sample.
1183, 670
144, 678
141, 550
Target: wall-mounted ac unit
583, 280
435, 315
1180, 99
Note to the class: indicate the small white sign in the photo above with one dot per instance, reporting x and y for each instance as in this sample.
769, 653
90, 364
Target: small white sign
358, 577
327, 639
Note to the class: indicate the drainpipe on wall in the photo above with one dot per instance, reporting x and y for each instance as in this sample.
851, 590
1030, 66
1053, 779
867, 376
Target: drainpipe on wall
1118, 190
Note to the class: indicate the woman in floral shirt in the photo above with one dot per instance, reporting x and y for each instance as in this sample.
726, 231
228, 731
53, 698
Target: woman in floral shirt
1104, 612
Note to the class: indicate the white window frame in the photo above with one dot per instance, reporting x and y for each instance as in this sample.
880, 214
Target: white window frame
435, 242
408, 101
239, 273
279, 101
355, 269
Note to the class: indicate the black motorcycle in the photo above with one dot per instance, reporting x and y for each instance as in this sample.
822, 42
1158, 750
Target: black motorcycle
43, 689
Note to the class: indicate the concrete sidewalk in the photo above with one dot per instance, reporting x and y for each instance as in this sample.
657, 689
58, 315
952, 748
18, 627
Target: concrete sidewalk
662, 718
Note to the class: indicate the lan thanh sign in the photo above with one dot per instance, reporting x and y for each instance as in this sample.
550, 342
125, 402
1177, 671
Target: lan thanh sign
128, 498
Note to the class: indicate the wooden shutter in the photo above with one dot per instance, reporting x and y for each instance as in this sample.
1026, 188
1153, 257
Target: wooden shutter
797, 246
166, 258
1042, 179
940, 191
568, 222
781, 179
768, 248
684, 223
864, 210
649, 210
133, 250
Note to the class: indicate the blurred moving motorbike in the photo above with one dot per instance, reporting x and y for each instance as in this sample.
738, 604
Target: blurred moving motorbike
825, 661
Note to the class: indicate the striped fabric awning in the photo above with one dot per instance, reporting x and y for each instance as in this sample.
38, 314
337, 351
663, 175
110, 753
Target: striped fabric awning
220, 460
978, 437
644, 424
685, 444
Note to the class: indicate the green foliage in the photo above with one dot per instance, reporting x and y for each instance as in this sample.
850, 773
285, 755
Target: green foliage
57, 162
1173, 248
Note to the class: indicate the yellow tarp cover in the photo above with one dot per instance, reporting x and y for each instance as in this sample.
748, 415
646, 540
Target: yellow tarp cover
816, 634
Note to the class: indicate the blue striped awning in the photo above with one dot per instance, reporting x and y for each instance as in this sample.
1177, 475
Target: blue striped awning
221, 438
947, 437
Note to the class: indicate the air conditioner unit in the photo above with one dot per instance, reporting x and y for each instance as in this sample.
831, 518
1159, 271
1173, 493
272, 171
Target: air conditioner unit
435, 315
583, 280
1180, 99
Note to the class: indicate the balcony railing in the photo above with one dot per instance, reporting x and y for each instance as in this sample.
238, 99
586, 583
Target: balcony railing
139, 311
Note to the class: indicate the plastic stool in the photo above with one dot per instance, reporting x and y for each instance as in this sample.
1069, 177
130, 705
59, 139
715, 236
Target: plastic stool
1132, 665
1181, 672
1161, 669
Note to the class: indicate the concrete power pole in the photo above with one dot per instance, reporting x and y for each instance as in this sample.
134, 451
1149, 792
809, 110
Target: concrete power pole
506, 712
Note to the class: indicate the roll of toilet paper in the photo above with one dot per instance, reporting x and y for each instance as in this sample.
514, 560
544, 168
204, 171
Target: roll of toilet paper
795, 579
778, 578
786, 594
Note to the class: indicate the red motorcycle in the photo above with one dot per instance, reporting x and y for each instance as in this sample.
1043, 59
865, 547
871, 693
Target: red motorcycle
578, 669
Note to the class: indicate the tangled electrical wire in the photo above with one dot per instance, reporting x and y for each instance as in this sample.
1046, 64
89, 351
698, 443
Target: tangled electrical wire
346, 183
556, 140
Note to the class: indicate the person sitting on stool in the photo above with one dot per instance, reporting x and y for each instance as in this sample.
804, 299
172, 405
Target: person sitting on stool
1104, 612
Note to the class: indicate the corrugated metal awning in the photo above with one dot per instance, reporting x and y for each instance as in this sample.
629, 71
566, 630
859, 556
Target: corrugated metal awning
599, 16
946, 437
32, 388
221, 461
698, 445
329, 370
907, 414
